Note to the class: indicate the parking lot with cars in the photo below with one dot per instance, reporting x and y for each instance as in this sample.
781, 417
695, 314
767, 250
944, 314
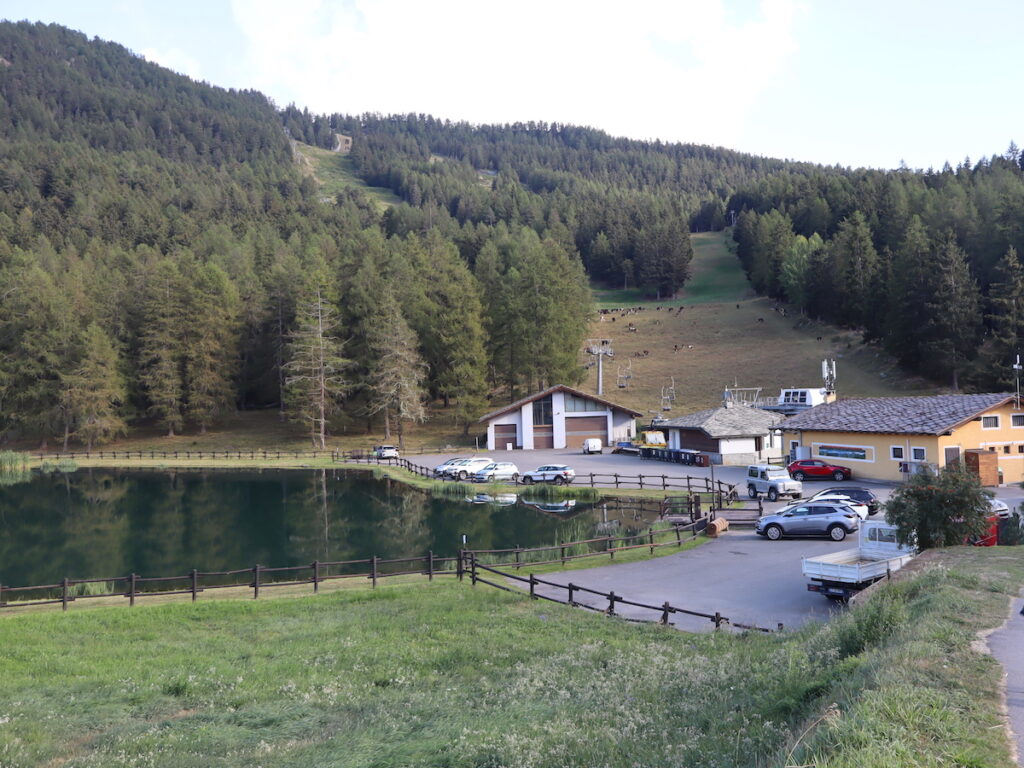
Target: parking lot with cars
748, 578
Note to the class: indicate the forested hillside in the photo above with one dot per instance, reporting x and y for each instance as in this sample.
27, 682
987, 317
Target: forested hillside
625, 206
162, 258
925, 262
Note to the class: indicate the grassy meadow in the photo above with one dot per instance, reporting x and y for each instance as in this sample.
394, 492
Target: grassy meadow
728, 336
448, 675
335, 173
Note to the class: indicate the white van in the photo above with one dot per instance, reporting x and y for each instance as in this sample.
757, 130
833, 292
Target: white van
591, 445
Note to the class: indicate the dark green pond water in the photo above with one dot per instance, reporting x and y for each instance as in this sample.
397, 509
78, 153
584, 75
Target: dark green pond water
106, 523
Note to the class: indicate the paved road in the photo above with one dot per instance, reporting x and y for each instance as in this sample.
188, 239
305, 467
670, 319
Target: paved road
1007, 645
744, 577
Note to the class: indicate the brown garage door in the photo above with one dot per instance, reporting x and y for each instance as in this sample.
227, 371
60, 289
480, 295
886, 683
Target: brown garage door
585, 427
543, 436
505, 434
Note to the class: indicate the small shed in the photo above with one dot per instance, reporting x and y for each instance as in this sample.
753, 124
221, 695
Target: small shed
558, 417
730, 434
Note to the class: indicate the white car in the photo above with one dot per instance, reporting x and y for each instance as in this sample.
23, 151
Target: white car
836, 498
385, 451
464, 468
497, 470
550, 473
439, 470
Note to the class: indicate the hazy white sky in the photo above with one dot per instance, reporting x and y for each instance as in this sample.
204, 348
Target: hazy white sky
847, 83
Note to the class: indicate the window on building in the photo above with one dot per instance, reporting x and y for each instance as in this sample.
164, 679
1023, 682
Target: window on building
1020, 448
990, 422
1006, 449
542, 411
577, 404
896, 452
918, 454
1017, 420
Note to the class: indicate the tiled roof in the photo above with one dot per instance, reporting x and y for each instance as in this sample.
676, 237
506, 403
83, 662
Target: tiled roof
557, 388
735, 421
900, 415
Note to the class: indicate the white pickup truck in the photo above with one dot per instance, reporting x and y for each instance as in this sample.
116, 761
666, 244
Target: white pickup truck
840, 575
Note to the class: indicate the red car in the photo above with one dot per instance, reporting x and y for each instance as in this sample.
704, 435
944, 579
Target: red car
812, 468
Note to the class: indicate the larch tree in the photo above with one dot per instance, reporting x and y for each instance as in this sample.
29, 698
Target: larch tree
397, 372
94, 392
160, 358
210, 344
315, 372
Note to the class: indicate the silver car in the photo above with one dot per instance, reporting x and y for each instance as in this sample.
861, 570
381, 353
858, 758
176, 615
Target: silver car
497, 470
812, 518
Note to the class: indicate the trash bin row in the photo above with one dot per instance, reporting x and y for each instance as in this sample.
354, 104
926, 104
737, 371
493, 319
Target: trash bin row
677, 456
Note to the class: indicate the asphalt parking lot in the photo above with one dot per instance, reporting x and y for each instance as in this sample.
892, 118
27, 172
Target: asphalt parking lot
743, 576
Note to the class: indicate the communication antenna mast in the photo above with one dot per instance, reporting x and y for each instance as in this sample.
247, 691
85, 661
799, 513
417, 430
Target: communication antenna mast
600, 348
1016, 374
828, 375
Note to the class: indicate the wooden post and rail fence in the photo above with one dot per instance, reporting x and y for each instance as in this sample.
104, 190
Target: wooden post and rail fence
260, 578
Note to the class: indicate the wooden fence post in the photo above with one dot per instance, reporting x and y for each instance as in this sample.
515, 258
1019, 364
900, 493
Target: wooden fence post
430, 565
373, 570
679, 538
533, 586
572, 588
459, 569
316, 576
64, 594
562, 549
591, 479
2, 603
718, 620
650, 539
664, 613
611, 547
195, 583
663, 485
519, 553
131, 589
640, 478
611, 604
616, 479
256, 581
472, 568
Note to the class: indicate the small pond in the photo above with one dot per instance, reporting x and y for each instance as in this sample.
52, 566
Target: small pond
105, 523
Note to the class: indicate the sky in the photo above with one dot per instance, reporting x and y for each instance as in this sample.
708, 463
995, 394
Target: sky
864, 83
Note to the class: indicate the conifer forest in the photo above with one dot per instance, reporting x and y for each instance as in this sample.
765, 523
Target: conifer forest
165, 259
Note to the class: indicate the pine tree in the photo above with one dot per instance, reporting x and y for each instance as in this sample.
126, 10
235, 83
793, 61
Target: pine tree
94, 391
855, 260
315, 380
952, 318
1006, 321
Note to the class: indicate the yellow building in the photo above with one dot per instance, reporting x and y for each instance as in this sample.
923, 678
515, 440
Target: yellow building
887, 438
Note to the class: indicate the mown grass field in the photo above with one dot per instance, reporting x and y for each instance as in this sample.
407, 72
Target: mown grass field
448, 675
335, 174
727, 336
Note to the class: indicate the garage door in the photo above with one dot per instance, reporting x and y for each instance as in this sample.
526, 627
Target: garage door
505, 434
543, 436
585, 427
